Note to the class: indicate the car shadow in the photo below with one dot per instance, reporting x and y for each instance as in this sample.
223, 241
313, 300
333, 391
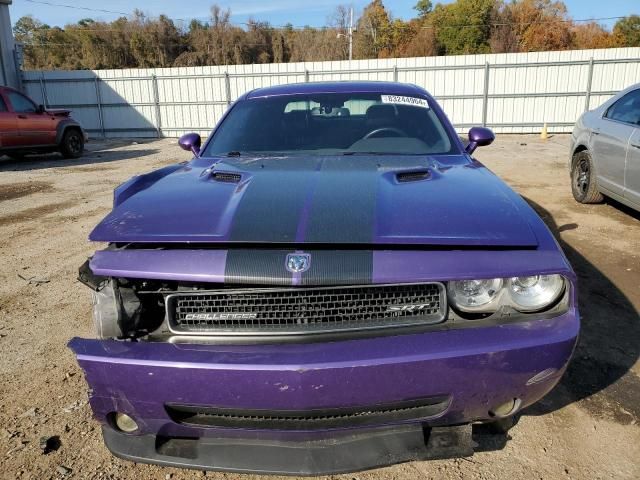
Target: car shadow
623, 208
93, 155
599, 374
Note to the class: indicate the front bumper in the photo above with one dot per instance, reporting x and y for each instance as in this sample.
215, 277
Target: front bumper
351, 453
475, 369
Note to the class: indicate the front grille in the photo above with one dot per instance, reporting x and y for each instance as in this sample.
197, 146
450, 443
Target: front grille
311, 419
305, 310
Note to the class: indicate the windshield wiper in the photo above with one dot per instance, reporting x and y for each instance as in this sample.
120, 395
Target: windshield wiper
370, 153
237, 153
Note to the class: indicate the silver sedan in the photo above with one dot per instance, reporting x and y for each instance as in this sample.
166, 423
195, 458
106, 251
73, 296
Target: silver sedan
605, 151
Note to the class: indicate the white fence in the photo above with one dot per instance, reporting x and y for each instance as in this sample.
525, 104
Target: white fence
511, 93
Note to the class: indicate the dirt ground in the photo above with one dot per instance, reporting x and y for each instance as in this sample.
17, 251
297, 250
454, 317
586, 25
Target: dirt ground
586, 428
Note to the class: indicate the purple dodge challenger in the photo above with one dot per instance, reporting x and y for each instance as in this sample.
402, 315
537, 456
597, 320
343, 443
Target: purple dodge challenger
331, 284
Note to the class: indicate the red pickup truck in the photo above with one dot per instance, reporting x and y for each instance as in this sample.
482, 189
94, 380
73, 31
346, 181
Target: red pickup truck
29, 128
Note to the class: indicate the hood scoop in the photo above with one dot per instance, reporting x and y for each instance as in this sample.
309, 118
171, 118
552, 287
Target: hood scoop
413, 176
226, 177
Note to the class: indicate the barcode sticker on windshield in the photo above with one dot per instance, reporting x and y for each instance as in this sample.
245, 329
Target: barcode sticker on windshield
416, 102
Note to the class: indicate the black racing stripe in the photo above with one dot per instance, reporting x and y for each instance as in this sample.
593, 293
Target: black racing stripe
344, 202
258, 267
270, 208
328, 267
339, 267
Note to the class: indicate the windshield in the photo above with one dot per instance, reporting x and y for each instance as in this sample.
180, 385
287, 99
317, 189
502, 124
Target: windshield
331, 124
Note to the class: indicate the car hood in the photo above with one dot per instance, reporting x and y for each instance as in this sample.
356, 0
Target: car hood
375, 200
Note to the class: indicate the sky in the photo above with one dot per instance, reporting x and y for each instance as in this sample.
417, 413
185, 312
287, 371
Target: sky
276, 12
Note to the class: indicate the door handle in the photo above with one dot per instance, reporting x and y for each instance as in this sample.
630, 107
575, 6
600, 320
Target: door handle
22, 116
634, 145
596, 131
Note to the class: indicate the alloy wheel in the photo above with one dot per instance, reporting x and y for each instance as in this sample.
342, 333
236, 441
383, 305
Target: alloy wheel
581, 176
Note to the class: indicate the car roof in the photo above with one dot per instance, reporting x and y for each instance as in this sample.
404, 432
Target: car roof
389, 88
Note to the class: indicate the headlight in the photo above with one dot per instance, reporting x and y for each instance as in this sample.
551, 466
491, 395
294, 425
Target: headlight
534, 292
475, 295
105, 312
524, 294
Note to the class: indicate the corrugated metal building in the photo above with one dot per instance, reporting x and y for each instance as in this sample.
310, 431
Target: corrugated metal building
511, 93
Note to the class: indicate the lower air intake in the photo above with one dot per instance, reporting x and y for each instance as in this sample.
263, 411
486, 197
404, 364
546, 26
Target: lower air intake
312, 419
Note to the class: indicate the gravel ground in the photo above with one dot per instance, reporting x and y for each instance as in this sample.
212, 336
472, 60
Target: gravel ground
586, 428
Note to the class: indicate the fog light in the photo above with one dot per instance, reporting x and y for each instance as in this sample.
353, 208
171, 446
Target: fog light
125, 423
506, 409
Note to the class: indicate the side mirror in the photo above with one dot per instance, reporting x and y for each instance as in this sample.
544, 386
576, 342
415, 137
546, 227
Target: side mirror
40, 109
479, 137
191, 143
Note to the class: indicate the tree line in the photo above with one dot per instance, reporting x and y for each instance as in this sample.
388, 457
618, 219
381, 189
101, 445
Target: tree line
461, 27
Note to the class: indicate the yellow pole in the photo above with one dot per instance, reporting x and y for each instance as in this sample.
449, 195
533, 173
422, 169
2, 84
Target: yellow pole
544, 135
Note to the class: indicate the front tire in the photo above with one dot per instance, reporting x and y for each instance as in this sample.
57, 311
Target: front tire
72, 144
583, 179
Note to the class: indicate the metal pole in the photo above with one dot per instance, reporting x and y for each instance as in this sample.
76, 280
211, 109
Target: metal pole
156, 101
395, 73
8, 71
227, 87
5, 78
351, 33
99, 103
44, 100
18, 59
587, 97
485, 95
43, 89
306, 75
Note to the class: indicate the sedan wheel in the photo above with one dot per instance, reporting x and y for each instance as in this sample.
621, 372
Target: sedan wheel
583, 180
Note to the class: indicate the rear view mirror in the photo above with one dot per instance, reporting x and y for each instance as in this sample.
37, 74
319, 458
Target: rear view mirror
40, 109
479, 137
190, 142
